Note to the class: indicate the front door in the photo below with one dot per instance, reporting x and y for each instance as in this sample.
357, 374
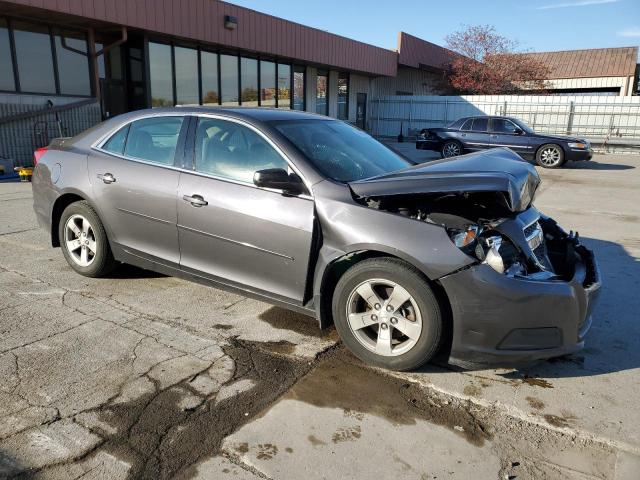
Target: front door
505, 133
234, 232
135, 184
361, 111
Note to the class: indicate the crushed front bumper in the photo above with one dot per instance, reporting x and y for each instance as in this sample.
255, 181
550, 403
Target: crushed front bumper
500, 319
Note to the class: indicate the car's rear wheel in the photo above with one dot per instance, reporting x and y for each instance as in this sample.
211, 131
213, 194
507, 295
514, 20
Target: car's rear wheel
387, 315
550, 155
451, 148
84, 242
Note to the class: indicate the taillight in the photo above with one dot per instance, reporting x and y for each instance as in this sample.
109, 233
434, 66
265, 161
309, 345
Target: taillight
37, 154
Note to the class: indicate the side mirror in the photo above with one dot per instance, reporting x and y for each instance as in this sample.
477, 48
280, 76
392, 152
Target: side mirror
279, 179
519, 131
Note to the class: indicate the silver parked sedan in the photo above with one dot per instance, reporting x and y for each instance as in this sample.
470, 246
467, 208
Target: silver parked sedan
314, 215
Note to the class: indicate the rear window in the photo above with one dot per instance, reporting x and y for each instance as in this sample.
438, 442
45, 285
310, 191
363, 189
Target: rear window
480, 124
457, 124
467, 124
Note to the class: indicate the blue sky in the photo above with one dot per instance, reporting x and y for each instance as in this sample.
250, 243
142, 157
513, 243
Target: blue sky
538, 25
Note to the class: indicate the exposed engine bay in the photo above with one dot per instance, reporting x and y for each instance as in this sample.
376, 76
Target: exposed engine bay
518, 244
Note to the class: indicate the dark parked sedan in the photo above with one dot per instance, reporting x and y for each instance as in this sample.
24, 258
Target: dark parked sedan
314, 215
470, 134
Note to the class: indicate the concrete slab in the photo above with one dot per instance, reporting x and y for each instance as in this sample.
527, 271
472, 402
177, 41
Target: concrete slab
342, 421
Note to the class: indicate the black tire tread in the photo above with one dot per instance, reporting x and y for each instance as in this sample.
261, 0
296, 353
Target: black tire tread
416, 281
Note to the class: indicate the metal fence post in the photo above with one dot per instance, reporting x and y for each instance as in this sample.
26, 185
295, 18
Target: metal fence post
572, 111
410, 116
504, 109
446, 111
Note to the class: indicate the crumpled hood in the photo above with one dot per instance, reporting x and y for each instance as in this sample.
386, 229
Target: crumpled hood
495, 170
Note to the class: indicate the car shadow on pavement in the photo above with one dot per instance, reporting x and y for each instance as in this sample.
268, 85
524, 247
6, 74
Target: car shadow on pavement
613, 343
597, 165
126, 271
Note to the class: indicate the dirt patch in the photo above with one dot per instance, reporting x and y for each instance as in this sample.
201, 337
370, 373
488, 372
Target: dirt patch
283, 347
222, 326
472, 390
358, 391
315, 441
347, 434
535, 403
537, 382
159, 438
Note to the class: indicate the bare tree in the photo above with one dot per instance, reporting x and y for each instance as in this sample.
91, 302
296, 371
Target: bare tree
490, 64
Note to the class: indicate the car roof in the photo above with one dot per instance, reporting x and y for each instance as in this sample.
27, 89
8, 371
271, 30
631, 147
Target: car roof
249, 113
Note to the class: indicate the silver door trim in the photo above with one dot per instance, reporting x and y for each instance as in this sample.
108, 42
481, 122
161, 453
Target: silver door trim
236, 242
148, 217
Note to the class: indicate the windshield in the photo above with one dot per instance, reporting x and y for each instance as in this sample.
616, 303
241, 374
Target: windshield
522, 125
340, 151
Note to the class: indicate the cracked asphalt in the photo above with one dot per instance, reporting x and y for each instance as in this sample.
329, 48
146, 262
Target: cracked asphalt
146, 376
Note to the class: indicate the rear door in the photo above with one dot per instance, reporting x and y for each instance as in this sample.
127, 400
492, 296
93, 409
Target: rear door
234, 232
504, 134
135, 183
475, 134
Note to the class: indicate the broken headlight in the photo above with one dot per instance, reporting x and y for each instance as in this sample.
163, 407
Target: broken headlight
501, 254
464, 238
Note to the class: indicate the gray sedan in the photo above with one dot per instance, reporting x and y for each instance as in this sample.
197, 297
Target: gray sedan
314, 215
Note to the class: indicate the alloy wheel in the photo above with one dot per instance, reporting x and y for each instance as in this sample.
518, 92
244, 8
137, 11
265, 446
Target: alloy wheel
384, 317
550, 156
451, 149
80, 240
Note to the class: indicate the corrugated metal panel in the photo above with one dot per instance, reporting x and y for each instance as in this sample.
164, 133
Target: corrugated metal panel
602, 62
415, 52
204, 21
589, 116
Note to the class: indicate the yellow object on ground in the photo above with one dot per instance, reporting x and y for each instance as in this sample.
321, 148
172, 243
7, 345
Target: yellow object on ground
25, 173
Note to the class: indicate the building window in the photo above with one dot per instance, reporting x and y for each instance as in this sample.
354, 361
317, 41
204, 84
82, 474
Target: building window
249, 81
299, 84
284, 86
229, 87
322, 91
34, 57
186, 60
7, 81
161, 72
267, 84
209, 67
73, 66
343, 96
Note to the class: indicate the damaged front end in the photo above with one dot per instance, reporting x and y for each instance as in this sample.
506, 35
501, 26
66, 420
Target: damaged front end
530, 292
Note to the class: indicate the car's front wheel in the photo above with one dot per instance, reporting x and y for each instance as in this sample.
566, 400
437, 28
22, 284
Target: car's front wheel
387, 315
550, 156
84, 241
451, 148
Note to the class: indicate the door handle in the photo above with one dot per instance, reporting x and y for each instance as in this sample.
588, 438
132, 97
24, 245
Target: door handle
494, 136
195, 200
463, 134
106, 177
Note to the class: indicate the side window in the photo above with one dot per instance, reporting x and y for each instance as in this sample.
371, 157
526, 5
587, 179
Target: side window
230, 150
480, 124
116, 143
467, 125
154, 139
502, 125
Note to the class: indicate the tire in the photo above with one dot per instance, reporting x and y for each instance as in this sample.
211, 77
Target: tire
451, 148
376, 336
550, 155
81, 233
